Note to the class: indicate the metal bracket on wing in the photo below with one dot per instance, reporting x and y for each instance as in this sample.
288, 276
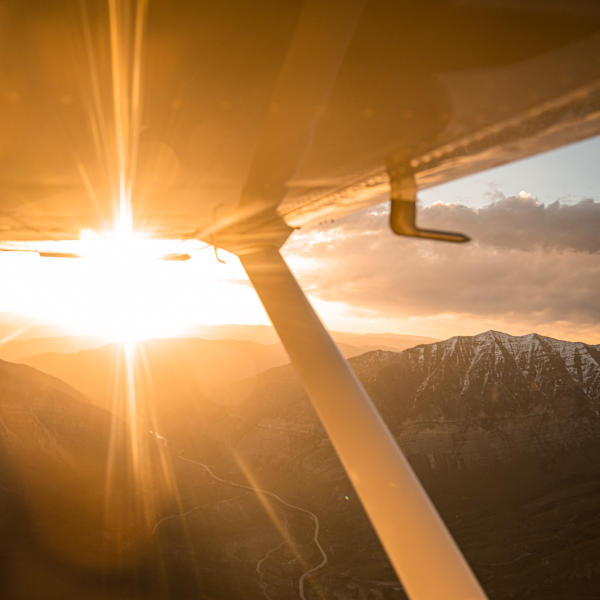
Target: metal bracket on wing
404, 210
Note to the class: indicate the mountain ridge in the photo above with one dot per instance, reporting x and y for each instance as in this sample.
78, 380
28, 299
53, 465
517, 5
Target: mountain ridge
30, 341
503, 431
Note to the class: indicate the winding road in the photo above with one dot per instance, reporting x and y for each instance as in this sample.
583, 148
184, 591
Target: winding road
259, 564
313, 517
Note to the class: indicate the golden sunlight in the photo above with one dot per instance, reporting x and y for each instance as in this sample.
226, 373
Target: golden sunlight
123, 290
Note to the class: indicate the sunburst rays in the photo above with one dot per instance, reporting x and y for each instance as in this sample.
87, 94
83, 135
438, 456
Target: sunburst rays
130, 381
126, 40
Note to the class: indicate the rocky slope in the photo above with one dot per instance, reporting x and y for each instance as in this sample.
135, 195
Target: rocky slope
503, 431
75, 512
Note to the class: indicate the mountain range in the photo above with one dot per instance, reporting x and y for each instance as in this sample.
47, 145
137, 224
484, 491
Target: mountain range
170, 377
503, 431
23, 340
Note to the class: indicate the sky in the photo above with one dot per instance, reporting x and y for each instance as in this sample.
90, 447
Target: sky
566, 174
533, 265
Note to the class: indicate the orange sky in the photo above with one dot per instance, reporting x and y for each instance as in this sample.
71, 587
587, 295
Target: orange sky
131, 296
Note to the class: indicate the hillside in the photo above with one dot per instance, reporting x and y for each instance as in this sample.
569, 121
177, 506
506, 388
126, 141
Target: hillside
19, 344
170, 377
503, 431
74, 519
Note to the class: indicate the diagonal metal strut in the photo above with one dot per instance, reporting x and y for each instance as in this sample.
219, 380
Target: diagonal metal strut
422, 551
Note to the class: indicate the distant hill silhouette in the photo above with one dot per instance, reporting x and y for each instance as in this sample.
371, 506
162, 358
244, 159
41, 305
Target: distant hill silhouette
189, 367
169, 375
35, 340
19, 348
265, 334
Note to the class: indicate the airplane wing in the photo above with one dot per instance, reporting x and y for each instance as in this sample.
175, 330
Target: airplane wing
190, 111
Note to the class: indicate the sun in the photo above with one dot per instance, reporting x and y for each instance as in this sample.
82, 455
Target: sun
122, 262
122, 289
131, 293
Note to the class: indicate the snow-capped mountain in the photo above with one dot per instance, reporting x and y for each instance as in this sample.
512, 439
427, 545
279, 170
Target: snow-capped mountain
503, 431
486, 374
544, 362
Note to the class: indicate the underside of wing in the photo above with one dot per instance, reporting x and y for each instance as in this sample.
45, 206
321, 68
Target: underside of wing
186, 117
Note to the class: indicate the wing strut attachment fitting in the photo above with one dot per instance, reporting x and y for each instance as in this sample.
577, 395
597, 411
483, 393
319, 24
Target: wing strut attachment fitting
404, 209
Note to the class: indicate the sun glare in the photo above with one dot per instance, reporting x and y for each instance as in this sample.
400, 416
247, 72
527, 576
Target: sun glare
122, 261
121, 289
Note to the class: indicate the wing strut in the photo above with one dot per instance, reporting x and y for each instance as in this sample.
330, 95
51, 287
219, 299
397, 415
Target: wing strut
422, 551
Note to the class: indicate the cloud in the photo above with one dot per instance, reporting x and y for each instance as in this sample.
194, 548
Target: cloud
524, 223
509, 222
528, 262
